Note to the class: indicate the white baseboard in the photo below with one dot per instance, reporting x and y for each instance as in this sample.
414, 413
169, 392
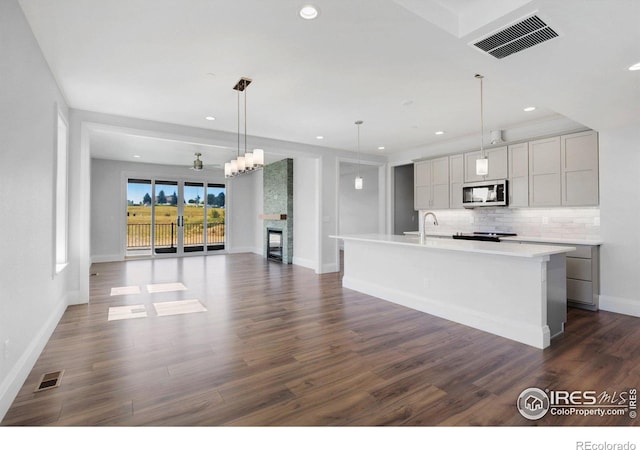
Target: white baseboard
308, 263
12, 383
242, 250
628, 306
329, 268
106, 258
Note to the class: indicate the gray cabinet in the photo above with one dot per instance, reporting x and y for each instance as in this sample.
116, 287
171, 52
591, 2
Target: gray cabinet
431, 178
583, 277
498, 167
579, 169
583, 274
563, 170
544, 172
456, 180
554, 171
519, 174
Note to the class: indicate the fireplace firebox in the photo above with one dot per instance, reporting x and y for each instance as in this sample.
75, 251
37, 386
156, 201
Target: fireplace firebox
274, 244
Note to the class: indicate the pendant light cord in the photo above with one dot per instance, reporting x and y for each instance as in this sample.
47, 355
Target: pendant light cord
245, 122
358, 123
238, 152
481, 117
358, 149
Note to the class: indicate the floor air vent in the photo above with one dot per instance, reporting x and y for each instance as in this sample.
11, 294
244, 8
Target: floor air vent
50, 381
517, 37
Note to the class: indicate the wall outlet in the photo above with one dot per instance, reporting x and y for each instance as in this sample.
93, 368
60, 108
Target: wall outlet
545, 220
5, 349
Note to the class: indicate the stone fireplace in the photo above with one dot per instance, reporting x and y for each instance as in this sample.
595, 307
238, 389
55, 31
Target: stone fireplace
278, 210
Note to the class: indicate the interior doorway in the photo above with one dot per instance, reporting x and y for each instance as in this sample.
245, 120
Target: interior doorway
405, 217
174, 217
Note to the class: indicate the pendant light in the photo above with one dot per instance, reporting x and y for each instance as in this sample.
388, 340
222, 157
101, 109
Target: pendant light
248, 161
482, 163
358, 182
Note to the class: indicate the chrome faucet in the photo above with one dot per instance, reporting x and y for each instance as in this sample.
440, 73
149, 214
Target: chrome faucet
423, 236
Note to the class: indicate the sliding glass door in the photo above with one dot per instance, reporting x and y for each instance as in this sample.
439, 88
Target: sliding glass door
166, 213
174, 217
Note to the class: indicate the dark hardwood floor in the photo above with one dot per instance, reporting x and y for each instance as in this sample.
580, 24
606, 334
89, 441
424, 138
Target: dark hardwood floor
280, 345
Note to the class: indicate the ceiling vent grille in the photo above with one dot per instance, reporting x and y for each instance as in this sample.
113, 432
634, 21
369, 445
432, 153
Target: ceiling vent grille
517, 37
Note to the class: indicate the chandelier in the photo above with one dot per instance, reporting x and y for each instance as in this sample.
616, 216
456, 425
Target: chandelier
249, 161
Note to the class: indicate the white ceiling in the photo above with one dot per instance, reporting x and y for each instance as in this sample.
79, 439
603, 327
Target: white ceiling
404, 67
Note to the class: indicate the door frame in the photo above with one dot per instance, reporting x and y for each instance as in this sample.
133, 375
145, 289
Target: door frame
181, 180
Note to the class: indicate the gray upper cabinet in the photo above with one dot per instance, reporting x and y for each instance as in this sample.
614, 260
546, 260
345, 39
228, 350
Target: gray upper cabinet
554, 171
431, 184
579, 169
422, 181
498, 167
544, 172
456, 180
470, 167
519, 174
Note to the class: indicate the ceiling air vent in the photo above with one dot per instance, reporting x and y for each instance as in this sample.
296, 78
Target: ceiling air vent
519, 36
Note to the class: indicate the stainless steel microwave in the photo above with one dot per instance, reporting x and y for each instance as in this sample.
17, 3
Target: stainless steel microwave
485, 193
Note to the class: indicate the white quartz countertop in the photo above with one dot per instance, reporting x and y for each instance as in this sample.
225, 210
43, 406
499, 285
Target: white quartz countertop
523, 238
458, 245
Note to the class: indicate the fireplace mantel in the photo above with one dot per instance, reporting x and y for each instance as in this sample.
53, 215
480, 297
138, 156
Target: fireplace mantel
272, 216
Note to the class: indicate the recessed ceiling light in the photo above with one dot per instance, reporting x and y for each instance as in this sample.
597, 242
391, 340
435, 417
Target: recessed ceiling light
319, 137
530, 108
136, 156
636, 66
308, 12
210, 118
381, 147
439, 132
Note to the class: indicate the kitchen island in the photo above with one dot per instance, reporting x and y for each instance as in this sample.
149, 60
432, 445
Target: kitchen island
513, 290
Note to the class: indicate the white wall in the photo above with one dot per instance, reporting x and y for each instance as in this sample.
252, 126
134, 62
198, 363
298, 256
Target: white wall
306, 212
328, 187
358, 209
32, 299
107, 213
620, 218
244, 194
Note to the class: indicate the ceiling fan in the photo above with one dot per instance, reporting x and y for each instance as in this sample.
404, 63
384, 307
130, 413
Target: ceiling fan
198, 165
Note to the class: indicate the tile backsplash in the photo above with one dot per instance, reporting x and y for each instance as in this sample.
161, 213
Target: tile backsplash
577, 223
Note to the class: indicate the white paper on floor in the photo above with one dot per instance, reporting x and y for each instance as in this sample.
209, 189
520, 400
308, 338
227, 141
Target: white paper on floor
125, 290
165, 287
127, 312
179, 307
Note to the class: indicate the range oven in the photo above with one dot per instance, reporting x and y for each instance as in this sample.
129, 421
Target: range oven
485, 193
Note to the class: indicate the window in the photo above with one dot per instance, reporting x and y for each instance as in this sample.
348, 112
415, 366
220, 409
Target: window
61, 190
